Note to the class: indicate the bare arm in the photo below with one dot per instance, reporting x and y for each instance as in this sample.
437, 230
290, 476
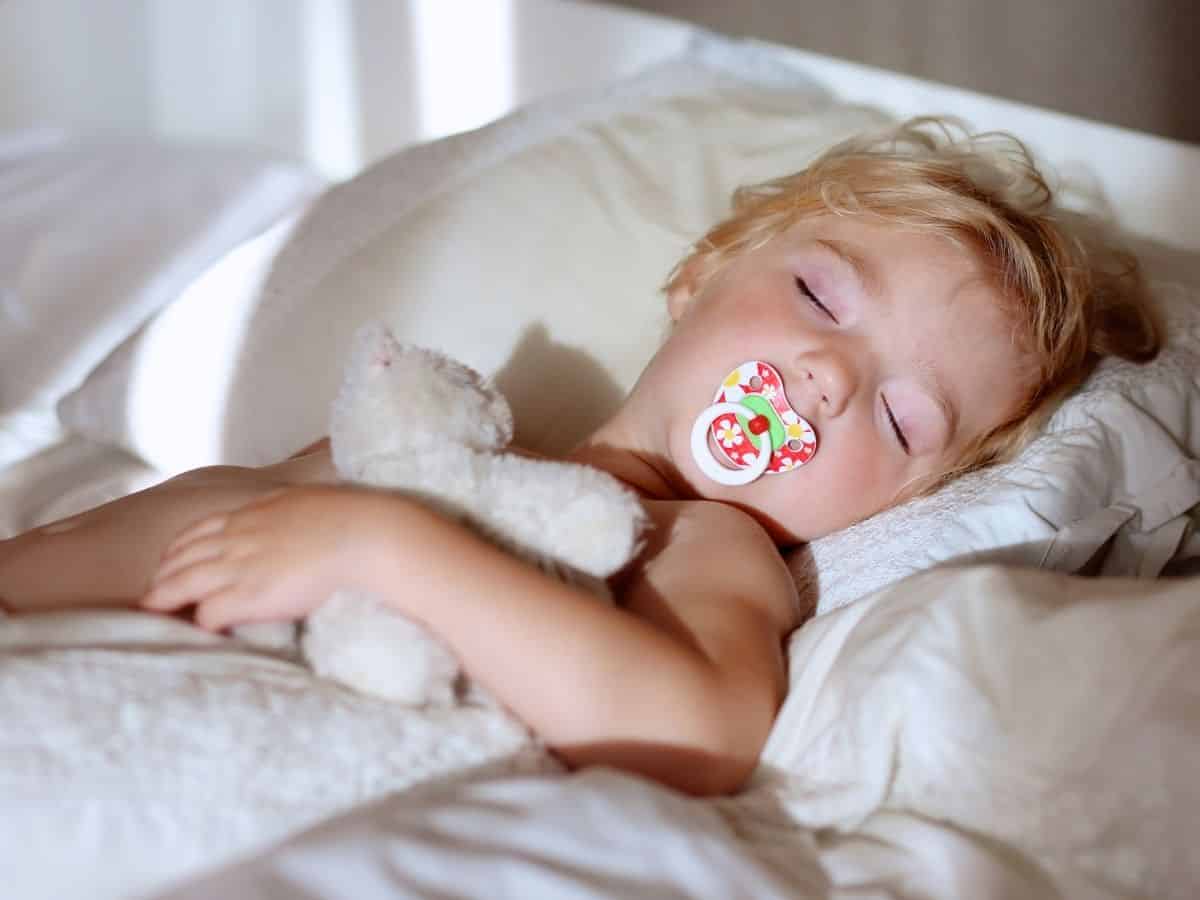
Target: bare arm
682, 686
313, 464
683, 691
105, 556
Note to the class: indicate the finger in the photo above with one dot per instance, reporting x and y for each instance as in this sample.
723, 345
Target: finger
226, 608
205, 549
187, 586
209, 525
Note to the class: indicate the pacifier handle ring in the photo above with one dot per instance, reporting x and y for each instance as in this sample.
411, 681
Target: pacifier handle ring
704, 458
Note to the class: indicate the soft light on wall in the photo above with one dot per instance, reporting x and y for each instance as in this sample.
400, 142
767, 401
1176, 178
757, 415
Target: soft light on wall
464, 63
331, 89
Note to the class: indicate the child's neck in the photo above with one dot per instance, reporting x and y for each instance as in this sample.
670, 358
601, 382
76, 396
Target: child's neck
647, 473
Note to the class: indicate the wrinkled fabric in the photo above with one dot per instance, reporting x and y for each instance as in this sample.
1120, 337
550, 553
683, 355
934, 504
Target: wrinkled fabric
97, 235
1057, 715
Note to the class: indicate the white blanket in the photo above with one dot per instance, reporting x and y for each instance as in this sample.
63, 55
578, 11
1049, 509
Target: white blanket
985, 732
594, 836
136, 749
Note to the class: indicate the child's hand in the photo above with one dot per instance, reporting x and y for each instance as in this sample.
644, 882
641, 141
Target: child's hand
277, 558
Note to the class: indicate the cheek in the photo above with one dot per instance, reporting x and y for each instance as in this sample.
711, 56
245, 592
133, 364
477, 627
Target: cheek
749, 299
846, 482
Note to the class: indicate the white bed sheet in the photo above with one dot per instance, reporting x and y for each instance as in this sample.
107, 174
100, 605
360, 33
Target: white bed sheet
97, 235
601, 834
67, 477
592, 836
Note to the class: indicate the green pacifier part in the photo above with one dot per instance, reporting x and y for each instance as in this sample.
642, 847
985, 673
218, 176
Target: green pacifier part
761, 407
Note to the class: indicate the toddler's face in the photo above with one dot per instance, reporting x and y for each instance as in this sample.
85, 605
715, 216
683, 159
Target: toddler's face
890, 342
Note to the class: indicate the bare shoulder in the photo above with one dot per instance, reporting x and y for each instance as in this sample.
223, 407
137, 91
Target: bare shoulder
711, 560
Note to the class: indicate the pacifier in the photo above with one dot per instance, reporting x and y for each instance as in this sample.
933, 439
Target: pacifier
753, 427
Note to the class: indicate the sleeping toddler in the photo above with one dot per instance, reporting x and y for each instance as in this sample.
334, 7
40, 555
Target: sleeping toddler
907, 308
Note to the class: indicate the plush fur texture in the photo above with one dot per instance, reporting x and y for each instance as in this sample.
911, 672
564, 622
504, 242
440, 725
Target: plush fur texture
416, 421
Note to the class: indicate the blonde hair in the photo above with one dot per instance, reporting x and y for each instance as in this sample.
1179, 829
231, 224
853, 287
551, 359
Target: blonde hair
1073, 295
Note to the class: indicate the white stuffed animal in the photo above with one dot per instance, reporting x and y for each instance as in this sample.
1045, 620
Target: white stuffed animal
419, 422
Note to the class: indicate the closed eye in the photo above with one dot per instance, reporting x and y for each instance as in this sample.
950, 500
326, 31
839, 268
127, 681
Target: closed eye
812, 298
896, 428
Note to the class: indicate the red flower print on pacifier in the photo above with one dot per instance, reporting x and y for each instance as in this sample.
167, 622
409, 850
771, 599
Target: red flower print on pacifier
753, 428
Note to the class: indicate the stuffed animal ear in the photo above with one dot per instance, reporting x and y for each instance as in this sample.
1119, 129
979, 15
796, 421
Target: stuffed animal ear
397, 398
381, 350
374, 351
362, 417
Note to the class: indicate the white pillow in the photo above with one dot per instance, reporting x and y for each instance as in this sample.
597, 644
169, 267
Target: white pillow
96, 235
1052, 715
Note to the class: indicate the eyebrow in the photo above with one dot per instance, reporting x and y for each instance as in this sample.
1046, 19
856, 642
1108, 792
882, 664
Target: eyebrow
865, 269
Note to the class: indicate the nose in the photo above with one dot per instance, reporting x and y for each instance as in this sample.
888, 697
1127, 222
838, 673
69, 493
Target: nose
833, 376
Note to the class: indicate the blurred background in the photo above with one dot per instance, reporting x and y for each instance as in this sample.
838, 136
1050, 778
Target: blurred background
1128, 62
337, 82
342, 82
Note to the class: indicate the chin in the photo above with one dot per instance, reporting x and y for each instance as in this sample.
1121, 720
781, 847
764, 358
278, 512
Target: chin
782, 534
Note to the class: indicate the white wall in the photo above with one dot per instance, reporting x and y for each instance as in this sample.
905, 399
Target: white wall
61, 62
338, 82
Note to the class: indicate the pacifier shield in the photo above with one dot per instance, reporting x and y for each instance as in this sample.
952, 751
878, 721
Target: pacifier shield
758, 386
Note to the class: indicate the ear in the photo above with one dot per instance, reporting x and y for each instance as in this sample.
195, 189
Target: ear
683, 288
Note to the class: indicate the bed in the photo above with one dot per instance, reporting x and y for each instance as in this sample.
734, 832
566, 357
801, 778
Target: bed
994, 701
